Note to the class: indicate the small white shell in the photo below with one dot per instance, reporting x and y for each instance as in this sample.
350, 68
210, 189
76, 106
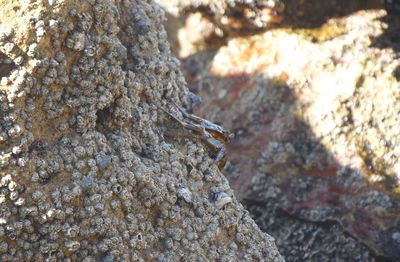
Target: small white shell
185, 194
220, 199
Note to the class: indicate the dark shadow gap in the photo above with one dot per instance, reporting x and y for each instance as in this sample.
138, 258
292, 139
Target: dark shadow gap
6, 65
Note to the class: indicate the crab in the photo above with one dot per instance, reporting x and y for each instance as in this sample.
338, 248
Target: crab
212, 134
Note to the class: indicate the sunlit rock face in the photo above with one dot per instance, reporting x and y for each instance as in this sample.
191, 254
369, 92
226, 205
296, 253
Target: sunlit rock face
87, 170
314, 109
230, 17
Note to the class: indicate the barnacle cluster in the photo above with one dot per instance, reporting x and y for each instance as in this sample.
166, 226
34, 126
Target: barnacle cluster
86, 171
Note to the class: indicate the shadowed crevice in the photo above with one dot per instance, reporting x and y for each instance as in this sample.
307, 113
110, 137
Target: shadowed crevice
6, 65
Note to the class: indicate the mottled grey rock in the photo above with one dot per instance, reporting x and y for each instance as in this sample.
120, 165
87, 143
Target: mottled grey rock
87, 172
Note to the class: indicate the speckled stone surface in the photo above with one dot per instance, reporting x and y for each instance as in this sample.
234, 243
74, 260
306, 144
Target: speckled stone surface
87, 170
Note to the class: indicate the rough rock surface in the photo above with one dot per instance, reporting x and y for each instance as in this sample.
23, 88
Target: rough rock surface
87, 170
315, 114
230, 16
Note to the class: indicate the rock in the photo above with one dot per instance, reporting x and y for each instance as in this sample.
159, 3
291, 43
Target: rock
393, 6
232, 17
87, 170
315, 117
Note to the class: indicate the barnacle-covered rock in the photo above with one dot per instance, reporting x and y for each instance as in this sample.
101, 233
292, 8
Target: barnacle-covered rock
87, 172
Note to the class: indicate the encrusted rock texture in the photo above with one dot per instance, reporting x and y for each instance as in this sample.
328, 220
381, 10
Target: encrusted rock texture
88, 172
314, 106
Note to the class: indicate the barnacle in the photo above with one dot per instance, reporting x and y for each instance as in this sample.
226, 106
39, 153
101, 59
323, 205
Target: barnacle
85, 169
220, 199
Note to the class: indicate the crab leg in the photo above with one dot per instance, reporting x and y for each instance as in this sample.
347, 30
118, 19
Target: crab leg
171, 115
186, 125
220, 155
203, 129
199, 137
207, 124
190, 116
